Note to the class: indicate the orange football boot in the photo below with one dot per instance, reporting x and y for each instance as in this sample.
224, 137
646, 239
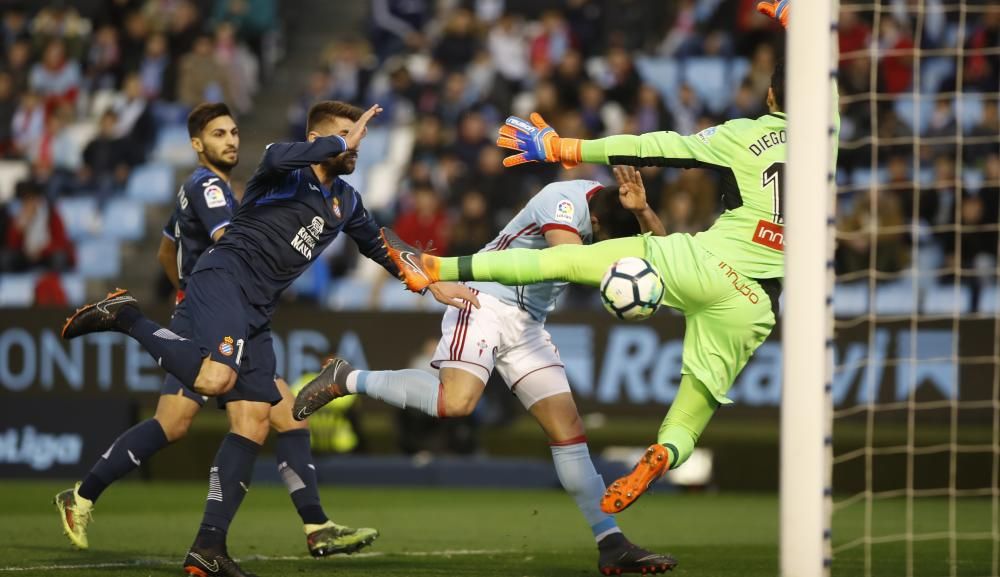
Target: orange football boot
417, 269
623, 492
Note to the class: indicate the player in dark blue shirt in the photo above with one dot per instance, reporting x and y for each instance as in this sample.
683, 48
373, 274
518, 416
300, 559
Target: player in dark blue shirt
203, 210
294, 206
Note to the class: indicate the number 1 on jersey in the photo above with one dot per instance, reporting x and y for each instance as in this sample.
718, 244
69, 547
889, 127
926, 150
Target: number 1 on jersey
774, 176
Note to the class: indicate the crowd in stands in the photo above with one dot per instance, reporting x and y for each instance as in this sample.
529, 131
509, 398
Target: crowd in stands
453, 70
85, 88
449, 71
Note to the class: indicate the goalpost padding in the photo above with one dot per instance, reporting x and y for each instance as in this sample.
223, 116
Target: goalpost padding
807, 318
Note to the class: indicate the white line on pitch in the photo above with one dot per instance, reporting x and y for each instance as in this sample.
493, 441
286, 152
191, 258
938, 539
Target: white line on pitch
160, 562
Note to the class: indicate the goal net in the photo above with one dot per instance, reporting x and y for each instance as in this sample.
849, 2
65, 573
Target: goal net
915, 385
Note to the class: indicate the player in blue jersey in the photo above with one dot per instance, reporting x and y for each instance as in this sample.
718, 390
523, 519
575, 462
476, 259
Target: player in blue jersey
295, 205
202, 212
507, 333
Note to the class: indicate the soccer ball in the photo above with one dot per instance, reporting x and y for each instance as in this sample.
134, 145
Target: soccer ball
631, 289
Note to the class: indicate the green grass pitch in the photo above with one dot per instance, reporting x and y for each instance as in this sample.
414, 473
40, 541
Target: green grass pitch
143, 529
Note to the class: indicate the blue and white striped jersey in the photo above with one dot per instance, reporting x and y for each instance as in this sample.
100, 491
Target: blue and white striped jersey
560, 205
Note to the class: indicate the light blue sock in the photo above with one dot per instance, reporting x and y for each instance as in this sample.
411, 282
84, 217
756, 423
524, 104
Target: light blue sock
579, 478
406, 389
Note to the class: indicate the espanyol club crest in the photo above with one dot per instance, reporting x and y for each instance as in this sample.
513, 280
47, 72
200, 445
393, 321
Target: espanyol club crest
226, 347
336, 207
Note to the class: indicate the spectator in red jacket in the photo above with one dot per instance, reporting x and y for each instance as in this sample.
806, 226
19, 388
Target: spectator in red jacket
426, 221
36, 237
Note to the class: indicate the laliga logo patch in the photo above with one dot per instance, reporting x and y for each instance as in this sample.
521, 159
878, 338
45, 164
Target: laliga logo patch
336, 207
564, 211
226, 347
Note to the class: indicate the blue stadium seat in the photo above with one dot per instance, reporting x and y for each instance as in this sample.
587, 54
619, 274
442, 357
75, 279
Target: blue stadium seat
75, 287
933, 73
709, 77
896, 298
80, 215
152, 182
863, 176
943, 299
17, 289
661, 73
170, 114
906, 108
850, 299
989, 300
969, 111
973, 178
173, 146
98, 258
349, 294
124, 219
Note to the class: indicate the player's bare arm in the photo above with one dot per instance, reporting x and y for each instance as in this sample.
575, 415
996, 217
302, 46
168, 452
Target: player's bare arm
453, 295
166, 254
632, 196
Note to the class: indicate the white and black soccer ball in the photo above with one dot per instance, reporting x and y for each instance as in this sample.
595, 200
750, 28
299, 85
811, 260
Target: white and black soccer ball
632, 289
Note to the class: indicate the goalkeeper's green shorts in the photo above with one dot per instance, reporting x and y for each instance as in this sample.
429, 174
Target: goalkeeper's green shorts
728, 315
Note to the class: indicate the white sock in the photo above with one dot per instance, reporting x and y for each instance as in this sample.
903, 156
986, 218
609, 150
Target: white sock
406, 389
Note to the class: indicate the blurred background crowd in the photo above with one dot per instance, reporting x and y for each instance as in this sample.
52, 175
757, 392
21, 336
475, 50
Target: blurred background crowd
93, 97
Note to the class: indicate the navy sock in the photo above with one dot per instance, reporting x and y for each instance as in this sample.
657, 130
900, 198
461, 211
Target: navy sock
297, 471
179, 356
229, 480
126, 453
210, 538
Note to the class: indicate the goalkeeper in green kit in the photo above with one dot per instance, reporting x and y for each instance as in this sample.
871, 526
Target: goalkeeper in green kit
725, 280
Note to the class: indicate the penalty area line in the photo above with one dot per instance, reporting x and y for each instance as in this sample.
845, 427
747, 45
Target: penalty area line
163, 562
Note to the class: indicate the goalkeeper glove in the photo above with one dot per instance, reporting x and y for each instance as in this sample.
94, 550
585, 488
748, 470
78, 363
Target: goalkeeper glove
777, 9
537, 142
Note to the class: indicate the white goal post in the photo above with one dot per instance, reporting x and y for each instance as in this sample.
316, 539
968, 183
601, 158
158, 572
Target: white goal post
806, 409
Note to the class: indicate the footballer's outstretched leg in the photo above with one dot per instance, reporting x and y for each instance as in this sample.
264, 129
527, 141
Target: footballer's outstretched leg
575, 263
329, 384
100, 316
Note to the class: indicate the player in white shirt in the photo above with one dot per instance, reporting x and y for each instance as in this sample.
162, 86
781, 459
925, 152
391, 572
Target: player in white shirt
507, 333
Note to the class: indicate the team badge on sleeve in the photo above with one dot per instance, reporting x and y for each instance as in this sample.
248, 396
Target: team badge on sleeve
564, 211
226, 347
214, 197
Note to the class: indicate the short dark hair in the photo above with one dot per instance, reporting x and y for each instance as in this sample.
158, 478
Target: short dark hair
329, 109
615, 221
778, 84
204, 113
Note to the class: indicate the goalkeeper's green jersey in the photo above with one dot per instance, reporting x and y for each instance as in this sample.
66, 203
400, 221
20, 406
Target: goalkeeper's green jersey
750, 155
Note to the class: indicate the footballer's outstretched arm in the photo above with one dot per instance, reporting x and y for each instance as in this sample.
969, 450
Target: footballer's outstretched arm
632, 196
289, 156
538, 142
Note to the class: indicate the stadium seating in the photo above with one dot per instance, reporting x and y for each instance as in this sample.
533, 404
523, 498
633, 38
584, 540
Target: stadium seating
152, 182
